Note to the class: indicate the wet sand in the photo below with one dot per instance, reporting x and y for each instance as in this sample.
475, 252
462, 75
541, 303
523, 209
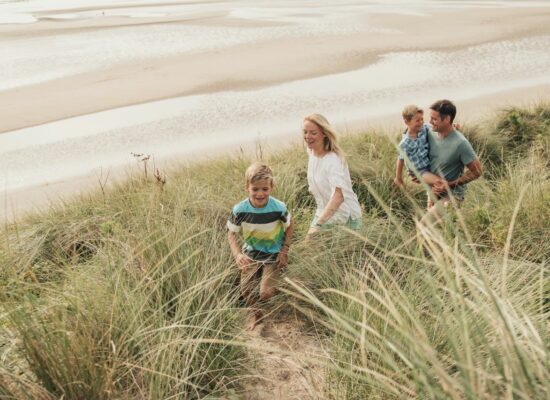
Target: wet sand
247, 66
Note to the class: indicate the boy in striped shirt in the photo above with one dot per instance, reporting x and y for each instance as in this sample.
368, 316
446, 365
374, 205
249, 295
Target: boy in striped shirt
266, 230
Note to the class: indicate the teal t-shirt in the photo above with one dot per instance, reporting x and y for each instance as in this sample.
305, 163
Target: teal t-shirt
449, 156
263, 229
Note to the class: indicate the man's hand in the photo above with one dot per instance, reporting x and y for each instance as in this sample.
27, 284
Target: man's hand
441, 181
440, 187
242, 260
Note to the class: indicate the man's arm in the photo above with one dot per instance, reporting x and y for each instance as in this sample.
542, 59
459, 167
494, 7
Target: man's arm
475, 170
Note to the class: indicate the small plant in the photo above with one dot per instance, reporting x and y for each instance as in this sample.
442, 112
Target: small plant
142, 158
160, 179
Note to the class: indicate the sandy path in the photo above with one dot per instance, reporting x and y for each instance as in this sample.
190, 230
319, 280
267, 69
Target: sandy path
287, 356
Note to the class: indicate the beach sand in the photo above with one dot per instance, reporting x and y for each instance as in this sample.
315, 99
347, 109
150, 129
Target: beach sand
246, 67
251, 65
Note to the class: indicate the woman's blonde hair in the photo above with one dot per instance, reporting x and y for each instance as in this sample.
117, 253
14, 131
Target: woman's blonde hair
331, 137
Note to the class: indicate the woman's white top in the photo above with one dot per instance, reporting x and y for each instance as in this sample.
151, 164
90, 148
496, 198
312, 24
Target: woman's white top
324, 175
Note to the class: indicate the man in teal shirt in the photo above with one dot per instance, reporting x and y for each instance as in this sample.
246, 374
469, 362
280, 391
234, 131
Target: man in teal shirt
450, 152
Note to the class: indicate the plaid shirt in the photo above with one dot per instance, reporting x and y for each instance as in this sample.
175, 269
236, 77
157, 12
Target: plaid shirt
417, 150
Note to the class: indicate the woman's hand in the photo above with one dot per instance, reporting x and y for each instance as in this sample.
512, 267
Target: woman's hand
313, 230
311, 233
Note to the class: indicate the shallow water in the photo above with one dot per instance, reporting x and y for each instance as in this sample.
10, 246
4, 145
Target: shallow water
31, 60
191, 124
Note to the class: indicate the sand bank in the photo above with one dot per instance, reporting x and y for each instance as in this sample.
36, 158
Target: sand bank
245, 66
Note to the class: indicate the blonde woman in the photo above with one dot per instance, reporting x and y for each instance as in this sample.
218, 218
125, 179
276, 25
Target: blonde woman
328, 177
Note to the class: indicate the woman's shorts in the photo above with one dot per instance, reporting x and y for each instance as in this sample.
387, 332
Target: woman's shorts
352, 223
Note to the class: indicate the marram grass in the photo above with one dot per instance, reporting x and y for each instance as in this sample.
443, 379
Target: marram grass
131, 293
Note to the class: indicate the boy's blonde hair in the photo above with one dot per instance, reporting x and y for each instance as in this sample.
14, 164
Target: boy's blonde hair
331, 137
410, 111
257, 172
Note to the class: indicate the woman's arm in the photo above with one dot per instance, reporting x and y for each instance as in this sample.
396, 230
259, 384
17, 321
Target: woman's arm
330, 209
332, 206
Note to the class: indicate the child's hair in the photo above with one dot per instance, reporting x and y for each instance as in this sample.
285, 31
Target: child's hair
410, 111
331, 137
257, 172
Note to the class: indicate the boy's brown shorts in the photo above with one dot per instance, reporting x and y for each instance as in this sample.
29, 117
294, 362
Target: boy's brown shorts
266, 272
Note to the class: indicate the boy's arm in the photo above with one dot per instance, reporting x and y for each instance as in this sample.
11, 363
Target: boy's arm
282, 259
240, 258
399, 173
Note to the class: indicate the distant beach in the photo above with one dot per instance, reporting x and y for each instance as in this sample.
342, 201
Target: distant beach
84, 83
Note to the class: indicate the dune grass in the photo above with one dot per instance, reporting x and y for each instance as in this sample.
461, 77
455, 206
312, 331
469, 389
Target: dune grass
132, 292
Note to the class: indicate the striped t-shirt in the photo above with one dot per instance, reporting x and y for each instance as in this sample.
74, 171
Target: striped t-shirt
263, 228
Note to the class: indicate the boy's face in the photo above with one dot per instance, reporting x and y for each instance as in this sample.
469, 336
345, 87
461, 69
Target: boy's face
416, 122
259, 192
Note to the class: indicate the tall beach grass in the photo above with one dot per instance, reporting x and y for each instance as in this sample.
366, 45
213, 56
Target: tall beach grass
132, 292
